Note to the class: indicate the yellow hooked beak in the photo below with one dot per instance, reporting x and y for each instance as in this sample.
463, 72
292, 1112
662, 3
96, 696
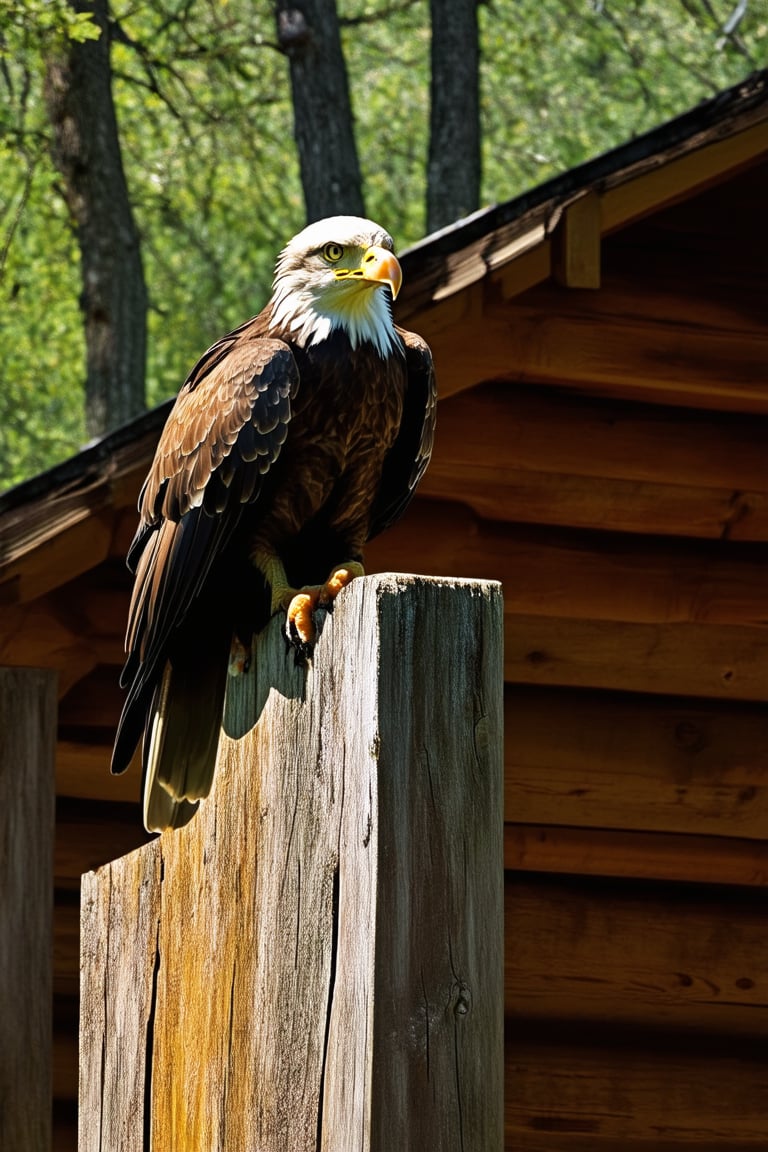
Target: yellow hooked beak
378, 266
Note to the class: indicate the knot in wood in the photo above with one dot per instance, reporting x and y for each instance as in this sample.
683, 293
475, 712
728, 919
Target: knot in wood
462, 1005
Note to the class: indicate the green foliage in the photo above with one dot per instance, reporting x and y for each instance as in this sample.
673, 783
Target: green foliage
41, 399
567, 79
206, 130
21, 19
206, 127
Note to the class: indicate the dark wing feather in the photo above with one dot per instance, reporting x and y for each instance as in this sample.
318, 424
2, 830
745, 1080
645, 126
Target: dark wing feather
237, 411
224, 432
408, 458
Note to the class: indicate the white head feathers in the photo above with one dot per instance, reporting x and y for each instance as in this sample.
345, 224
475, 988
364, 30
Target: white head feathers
322, 284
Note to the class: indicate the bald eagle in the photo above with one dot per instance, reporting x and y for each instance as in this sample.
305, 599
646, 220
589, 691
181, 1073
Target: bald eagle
295, 439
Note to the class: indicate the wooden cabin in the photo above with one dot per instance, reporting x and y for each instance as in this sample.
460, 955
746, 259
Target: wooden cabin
601, 345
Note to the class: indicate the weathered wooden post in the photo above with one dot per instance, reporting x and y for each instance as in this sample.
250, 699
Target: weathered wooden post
27, 744
315, 961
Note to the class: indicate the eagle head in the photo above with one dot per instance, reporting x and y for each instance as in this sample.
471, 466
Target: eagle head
331, 276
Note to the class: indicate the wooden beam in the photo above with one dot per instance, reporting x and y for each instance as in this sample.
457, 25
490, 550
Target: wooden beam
64, 552
636, 954
635, 855
676, 659
638, 193
629, 358
28, 726
70, 528
344, 876
619, 761
633, 1095
633, 359
660, 274
41, 634
576, 263
516, 494
539, 455
586, 577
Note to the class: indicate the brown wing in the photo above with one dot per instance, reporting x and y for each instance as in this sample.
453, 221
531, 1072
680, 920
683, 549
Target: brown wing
409, 456
224, 432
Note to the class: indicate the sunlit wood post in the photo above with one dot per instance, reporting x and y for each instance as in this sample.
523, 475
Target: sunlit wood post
27, 742
315, 961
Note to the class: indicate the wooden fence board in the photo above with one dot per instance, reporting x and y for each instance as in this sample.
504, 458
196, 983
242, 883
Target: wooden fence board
116, 1012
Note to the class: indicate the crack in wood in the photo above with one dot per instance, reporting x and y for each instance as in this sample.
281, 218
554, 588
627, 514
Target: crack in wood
335, 921
102, 1092
149, 1046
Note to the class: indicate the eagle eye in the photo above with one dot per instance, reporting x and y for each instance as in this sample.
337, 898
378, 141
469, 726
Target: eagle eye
333, 252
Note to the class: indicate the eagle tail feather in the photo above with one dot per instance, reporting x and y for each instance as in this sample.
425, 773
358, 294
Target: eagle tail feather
181, 738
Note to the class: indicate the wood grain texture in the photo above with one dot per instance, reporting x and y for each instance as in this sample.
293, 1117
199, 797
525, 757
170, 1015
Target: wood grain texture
316, 960
540, 455
618, 1095
719, 661
642, 855
27, 735
615, 760
119, 957
682, 958
590, 576
636, 193
576, 263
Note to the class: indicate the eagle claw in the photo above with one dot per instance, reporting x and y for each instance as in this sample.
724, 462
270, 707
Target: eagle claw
300, 627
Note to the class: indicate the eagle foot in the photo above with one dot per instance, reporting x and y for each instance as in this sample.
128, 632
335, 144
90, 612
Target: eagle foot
300, 627
341, 575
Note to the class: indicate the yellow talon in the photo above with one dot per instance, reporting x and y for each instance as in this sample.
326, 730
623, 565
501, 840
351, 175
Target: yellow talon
300, 615
299, 604
338, 579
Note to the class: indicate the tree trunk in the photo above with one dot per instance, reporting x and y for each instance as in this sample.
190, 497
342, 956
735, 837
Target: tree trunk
86, 150
453, 173
308, 33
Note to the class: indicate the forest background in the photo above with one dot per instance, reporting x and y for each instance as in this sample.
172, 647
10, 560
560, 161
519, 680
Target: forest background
193, 126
